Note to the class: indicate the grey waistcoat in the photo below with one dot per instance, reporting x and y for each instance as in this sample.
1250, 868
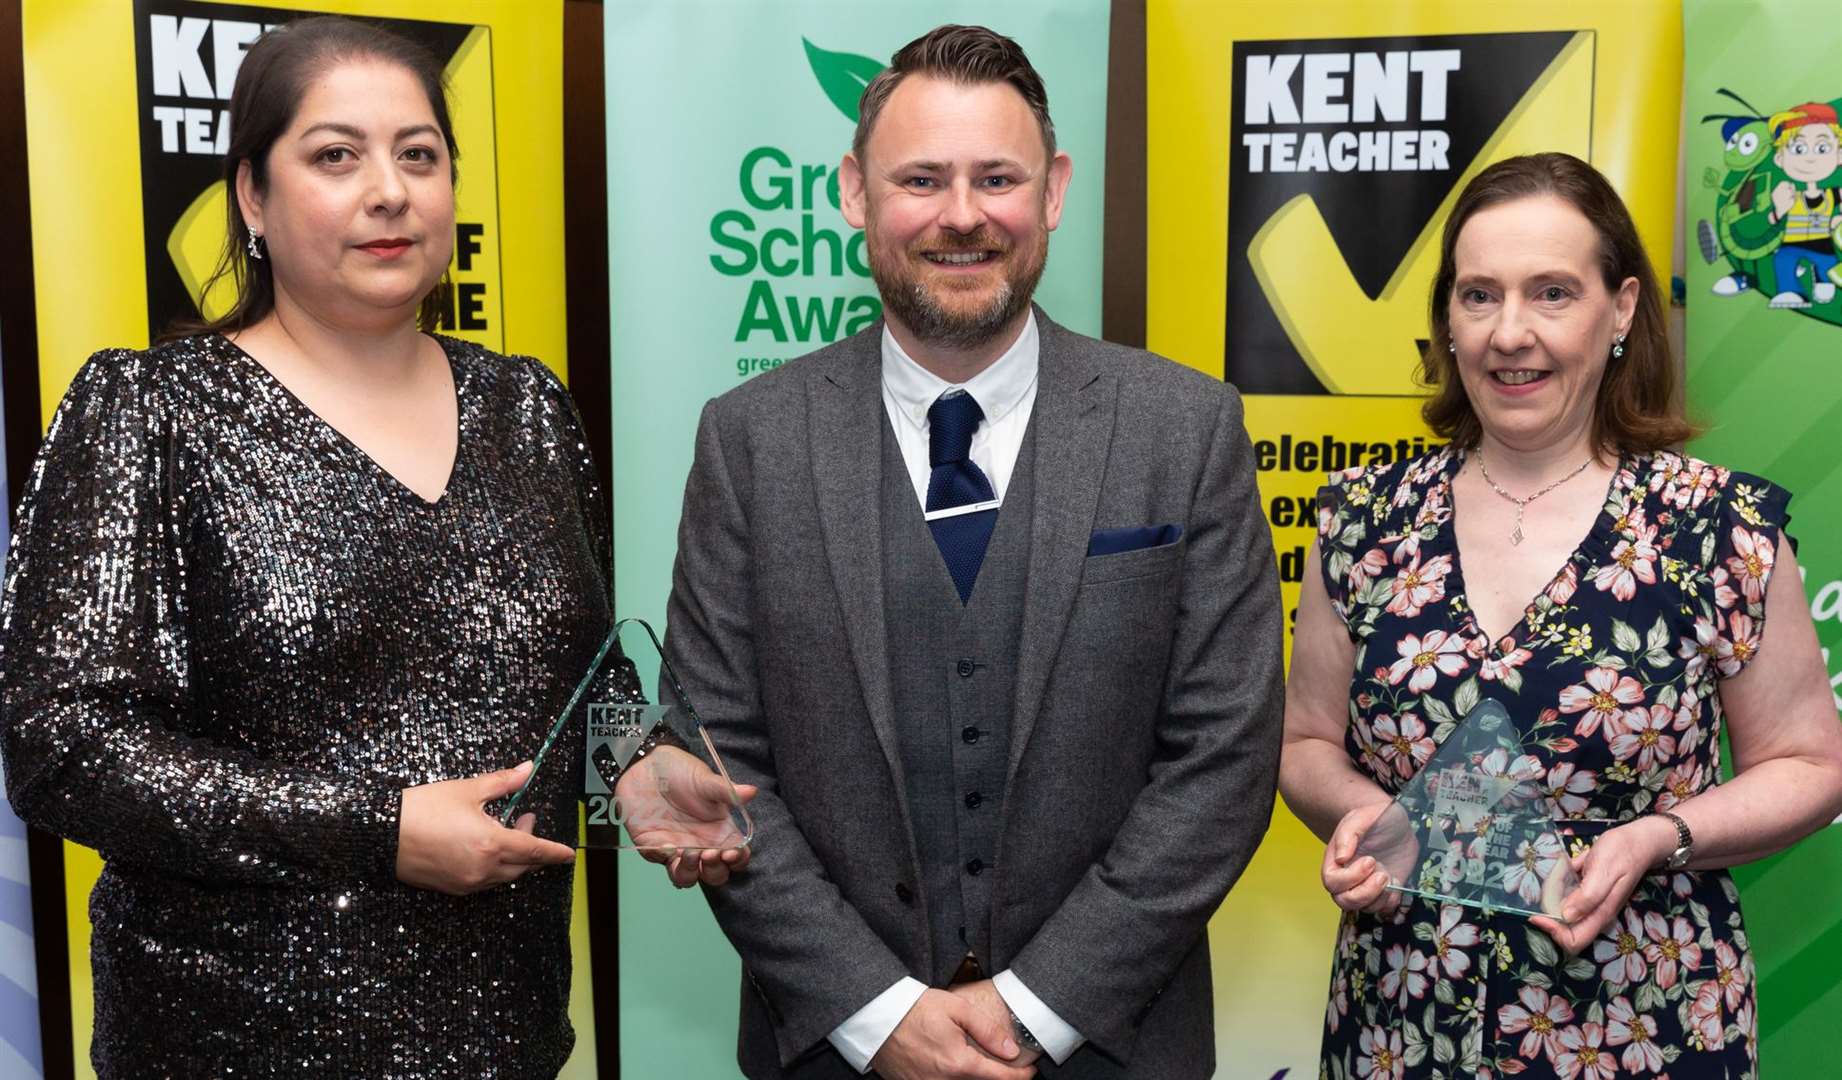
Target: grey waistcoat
953, 673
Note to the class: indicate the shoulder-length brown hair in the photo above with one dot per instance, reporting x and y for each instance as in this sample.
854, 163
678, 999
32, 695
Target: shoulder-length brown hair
270, 85
1639, 407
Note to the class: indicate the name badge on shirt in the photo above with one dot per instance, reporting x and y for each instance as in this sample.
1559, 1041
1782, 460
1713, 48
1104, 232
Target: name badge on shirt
955, 511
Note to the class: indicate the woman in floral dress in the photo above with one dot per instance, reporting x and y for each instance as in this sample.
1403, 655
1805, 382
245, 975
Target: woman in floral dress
1641, 643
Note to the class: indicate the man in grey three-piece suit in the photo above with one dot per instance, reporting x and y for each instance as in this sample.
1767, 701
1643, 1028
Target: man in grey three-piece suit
988, 611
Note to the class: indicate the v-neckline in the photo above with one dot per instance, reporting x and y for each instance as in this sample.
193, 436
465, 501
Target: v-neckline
377, 467
1456, 593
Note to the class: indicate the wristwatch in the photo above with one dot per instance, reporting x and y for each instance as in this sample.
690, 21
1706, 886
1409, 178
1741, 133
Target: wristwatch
1024, 1038
1685, 843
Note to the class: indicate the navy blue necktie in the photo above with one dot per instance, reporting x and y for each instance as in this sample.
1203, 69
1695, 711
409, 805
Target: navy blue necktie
956, 481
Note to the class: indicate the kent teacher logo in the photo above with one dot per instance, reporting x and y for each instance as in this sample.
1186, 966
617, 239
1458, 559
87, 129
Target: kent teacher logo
1341, 152
1366, 90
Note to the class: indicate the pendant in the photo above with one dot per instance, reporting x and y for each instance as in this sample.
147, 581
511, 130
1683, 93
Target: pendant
1515, 538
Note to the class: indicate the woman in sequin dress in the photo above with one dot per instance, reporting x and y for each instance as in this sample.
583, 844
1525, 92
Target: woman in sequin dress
1554, 383
286, 598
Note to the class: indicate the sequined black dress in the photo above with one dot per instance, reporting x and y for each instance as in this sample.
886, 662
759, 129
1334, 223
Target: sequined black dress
230, 640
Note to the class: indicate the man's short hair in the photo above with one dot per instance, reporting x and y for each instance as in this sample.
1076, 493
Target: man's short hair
969, 55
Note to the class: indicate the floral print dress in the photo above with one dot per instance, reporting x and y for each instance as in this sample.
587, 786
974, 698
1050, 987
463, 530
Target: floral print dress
1612, 680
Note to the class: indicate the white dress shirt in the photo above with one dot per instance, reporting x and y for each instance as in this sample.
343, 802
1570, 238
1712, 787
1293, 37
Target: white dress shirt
1006, 393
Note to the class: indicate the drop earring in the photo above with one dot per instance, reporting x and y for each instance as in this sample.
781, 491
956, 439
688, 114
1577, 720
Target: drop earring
254, 238
1618, 346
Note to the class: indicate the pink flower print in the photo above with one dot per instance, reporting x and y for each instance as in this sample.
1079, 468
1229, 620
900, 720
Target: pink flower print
1534, 862
1426, 659
1406, 546
1417, 586
1430, 467
1702, 480
1688, 485
1368, 751
1582, 1056
1494, 667
1630, 521
1682, 782
1663, 469
1644, 737
1751, 562
1699, 650
1371, 564
1724, 596
1327, 520
1672, 947
1620, 950
1604, 697
1560, 590
1451, 936
1739, 645
1704, 1014
1339, 1005
1403, 743
1632, 562
1567, 788
1747, 1020
1380, 1057
1524, 771
1688, 722
1729, 975
1637, 1034
1406, 974
1538, 1014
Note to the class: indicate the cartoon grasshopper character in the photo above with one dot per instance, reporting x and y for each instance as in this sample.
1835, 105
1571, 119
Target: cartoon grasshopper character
1742, 228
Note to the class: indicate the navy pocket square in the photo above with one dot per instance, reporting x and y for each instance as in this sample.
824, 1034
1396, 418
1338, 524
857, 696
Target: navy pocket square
1132, 538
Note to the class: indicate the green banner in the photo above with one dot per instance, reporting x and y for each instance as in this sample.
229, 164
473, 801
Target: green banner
1764, 356
726, 124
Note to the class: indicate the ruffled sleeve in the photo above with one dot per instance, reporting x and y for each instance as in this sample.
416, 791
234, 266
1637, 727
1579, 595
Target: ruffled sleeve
1738, 552
95, 668
1351, 508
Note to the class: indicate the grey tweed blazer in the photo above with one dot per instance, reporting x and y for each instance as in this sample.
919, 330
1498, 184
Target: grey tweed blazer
1145, 739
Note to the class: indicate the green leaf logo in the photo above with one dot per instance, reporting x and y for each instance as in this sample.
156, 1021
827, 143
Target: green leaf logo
842, 76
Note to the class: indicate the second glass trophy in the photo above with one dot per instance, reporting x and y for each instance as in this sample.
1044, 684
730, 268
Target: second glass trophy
1472, 828
632, 790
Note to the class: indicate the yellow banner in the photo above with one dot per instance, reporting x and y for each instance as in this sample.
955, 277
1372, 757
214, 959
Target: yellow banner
1300, 165
126, 117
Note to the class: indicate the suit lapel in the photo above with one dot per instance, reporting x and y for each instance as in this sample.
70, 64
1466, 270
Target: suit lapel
1073, 418
847, 418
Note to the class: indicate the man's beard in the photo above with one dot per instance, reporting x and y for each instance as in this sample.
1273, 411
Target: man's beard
910, 301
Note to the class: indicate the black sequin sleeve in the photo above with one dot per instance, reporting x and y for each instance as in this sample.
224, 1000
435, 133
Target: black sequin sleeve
599, 523
95, 667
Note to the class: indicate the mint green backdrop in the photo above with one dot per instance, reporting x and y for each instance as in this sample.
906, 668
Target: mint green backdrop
726, 121
1769, 382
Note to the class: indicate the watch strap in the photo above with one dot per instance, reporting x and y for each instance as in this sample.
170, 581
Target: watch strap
1023, 1036
1685, 842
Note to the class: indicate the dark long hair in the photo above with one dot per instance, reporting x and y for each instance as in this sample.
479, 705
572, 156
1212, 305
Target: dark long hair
268, 93
1639, 407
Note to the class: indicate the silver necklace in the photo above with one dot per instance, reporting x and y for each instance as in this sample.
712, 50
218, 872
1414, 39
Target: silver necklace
1515, 536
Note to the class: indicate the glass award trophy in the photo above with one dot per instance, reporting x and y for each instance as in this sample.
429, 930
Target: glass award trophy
658, 803
1471, 827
